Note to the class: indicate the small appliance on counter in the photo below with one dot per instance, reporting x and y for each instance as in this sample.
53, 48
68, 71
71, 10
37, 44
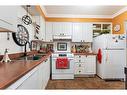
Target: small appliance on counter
6, 57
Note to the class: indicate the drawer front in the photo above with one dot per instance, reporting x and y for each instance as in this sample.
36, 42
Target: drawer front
79, 68
79, 71
79, 58
79, 65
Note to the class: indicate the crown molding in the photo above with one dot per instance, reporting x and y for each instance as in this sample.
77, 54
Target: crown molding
77, 16
119, 12
81, 16
44, 10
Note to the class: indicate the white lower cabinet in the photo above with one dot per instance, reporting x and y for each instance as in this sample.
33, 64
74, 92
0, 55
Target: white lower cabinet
35, 79
45, 73
85, 64
31, 82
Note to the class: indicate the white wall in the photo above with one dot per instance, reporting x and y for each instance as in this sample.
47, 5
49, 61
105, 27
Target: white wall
10, 44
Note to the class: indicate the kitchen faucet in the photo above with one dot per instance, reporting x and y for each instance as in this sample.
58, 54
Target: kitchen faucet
25, 51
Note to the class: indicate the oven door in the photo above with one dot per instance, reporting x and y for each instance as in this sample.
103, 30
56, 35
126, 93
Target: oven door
59, 71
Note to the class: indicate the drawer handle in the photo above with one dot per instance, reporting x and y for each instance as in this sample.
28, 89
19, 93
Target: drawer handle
46, 60
79, 65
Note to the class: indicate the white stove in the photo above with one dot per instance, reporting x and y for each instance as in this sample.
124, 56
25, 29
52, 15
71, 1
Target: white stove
63, 73
64, 58
62, 61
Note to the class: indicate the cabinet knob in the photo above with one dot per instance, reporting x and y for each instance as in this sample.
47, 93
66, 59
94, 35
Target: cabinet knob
46, 60
79, 56
79, 60
79, 71
79, 65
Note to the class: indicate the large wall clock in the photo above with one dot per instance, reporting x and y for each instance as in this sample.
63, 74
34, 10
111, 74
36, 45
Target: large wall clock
117, 28
21, 37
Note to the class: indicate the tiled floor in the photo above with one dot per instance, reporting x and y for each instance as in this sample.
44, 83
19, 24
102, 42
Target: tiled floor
85, 83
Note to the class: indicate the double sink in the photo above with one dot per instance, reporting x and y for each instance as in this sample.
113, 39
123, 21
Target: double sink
32, 57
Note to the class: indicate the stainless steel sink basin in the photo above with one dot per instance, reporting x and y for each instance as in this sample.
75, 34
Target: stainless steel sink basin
35, 57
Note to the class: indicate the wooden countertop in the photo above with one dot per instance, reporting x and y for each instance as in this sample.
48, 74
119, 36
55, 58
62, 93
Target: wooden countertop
85, 53
12, 71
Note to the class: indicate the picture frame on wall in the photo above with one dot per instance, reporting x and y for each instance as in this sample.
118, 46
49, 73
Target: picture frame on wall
33, 45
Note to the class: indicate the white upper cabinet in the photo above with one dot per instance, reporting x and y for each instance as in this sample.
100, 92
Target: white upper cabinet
57, 28
77, 32
8, 17
82, 32
87, 32
67, 28
49, 32
62, 28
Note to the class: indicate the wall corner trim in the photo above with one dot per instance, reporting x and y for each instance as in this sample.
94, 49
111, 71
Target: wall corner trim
119, 12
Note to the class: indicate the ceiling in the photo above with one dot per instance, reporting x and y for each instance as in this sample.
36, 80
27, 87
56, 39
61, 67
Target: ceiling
81, 11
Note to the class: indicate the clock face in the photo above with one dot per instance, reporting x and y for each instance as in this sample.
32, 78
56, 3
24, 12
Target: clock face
117, 28
21, 37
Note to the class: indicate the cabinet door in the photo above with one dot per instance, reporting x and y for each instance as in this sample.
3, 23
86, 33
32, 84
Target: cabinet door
79, 68
90, 65
57, 28
66, 28
62, 28
41, 67
8, 17
8, 13
46, 73
87, 34
77, 32
49, 32
31, 83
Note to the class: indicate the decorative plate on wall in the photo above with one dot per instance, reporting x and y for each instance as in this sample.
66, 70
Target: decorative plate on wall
26, 19
117, 27
21, 37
